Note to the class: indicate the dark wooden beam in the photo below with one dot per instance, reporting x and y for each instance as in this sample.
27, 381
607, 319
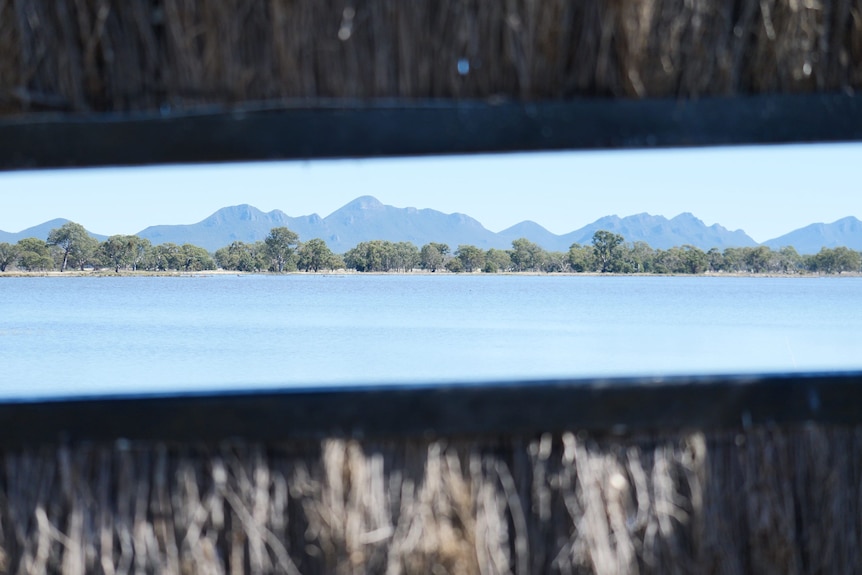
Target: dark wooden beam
495, 409
362, 129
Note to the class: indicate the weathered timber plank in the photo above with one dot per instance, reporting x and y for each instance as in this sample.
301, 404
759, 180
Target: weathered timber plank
387, 128
613, 406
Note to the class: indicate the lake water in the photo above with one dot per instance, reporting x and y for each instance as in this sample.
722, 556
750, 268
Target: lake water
82, 336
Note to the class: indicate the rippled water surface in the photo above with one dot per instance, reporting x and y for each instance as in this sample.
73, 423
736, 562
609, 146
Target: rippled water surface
80, 336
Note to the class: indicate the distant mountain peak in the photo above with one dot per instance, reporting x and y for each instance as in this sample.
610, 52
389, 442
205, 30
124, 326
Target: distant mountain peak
662, 233
365, 203
847, 221
616, 218
41, 231
812, 238
240, 209
524, 226
55, 223
239, 212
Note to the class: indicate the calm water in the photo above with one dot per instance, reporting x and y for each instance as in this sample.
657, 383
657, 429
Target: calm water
80, 336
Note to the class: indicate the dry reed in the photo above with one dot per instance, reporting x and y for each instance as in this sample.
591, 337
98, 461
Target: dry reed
122, 55
764, 500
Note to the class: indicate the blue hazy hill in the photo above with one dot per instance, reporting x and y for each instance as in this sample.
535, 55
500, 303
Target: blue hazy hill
845, 232
366, 218
363, 219
535, 233
662, 233
40, 231
235, 223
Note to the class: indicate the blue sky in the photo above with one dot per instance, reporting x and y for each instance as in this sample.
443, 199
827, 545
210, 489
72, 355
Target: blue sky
766, 191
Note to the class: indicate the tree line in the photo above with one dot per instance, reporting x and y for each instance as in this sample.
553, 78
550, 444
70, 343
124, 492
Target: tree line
607, 253
70, 246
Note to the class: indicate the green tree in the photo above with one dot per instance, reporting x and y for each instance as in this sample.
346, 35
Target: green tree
34, 255
371, 256
195, 258
757, 260
315, 255
361, 257
455, 266
405, 256
118, 250
262, 259
580, 258
734, 259
128, 251
835, 261
433, 256
788, 260
667, 261
243, 257
687, 259
442, 248
497, 261
142, 254
472, 258
639, 257
715, 260
223, 258
73, 242
168, 257
526, 256
86, 253
555, 262
8, 255
607, 251
694, 260
281, 243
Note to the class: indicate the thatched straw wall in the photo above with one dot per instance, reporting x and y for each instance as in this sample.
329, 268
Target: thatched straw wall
119, 55
762, 500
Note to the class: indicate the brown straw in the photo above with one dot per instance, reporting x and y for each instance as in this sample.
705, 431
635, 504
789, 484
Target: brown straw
120, 55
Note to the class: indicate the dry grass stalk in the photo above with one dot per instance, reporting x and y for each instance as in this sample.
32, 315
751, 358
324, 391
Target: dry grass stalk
765, 500
102, 55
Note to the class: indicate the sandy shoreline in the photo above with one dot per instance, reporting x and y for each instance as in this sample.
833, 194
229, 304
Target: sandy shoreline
210, 273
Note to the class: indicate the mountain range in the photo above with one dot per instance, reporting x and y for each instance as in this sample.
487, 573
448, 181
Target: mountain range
365, 218
40, 231
845, 232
